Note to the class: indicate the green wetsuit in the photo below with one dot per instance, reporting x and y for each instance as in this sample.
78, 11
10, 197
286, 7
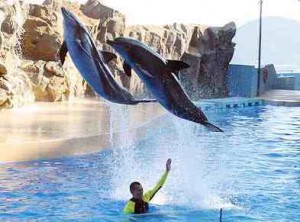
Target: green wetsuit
134, 206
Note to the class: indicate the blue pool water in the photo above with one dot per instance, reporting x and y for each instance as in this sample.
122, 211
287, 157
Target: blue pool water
252, 172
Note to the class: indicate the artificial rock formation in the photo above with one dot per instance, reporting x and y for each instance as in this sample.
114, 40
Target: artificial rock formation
42, 37
208, 50
48, 80
15, 86
31, 36
209, 55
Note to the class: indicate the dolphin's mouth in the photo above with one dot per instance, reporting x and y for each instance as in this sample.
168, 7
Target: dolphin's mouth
65, 12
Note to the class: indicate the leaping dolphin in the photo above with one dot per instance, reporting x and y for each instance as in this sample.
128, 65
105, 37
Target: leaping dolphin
92, 64
160, 77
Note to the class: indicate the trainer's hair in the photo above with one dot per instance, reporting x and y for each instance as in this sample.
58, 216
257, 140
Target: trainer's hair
133, 184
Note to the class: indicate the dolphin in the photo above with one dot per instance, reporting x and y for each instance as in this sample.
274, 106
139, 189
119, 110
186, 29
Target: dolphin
91, 63
161, 79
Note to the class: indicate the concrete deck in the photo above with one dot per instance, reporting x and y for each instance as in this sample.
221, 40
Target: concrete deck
282, 98
51, 130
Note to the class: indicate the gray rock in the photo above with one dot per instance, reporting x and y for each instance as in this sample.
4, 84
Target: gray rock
214, 50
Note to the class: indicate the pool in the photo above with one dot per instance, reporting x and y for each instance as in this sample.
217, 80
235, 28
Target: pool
252, 172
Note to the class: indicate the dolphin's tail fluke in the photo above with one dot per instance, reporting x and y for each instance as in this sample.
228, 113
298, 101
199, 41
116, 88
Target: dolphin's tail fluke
147, 101
212, 127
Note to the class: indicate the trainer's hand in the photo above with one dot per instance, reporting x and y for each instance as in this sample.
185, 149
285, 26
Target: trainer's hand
168, 165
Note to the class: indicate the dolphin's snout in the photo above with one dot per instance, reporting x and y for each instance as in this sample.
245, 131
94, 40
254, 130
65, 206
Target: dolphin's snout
64, 10
69, 17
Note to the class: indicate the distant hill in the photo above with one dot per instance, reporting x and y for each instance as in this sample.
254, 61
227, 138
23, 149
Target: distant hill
280, 43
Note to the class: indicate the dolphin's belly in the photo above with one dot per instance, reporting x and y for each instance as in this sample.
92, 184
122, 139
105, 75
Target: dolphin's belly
87, 68
156, 88
169, 94
105, 86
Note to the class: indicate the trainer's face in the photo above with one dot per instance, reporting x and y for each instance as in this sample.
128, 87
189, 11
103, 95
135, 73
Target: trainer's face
138, 192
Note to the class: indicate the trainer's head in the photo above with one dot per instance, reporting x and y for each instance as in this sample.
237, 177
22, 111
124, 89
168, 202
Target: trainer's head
136, 190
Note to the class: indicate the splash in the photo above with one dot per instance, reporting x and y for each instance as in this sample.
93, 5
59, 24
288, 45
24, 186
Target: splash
198, 174
200, 171
122, 145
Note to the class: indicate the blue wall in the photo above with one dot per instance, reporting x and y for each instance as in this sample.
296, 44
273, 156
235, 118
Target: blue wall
271, 79
242, 81
297, 81
288, 81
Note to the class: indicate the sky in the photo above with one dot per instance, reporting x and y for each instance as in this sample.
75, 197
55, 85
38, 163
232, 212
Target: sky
213, 13
206, 12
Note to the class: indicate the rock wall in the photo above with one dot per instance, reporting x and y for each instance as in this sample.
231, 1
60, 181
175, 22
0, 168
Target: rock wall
15, 86
31, 36
42, 35
209, 54
208, 50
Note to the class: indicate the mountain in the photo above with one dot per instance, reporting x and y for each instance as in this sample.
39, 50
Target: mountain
280, 43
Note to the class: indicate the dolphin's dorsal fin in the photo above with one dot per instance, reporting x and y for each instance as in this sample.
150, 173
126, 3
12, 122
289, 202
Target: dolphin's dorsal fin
108, 56
127, 69
63, 52
176, 65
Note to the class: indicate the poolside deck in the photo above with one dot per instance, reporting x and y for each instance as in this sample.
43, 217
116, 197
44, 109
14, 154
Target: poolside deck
282, 98
52, 130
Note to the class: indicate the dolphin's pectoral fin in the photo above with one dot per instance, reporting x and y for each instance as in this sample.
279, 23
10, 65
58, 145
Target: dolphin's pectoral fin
127, 69
107, 56
63, 52
176, 65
